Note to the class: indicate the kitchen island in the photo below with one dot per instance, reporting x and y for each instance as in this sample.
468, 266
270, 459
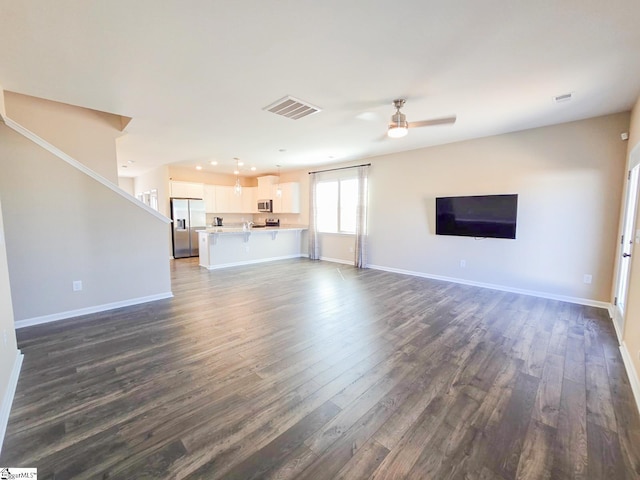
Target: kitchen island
222, 247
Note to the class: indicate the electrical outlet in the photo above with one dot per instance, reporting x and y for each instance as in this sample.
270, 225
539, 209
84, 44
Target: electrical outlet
586, 278
463, 264
77, 285
246, 248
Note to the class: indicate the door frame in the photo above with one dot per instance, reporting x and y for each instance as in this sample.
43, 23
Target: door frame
619, 315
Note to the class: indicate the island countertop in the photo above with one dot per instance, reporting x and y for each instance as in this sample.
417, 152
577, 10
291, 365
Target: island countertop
230, 230
222, 247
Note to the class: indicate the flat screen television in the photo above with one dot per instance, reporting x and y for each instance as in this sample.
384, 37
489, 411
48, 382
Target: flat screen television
477, 216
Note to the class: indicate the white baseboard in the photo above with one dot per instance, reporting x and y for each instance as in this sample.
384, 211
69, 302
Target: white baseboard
5, 408
252, 262
631, 373
533, 293
617, 329
29, 322
337, 260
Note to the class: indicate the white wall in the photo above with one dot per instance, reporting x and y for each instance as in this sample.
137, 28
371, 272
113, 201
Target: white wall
61, 226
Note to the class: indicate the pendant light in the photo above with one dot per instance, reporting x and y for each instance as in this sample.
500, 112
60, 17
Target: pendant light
237, 188
278, 189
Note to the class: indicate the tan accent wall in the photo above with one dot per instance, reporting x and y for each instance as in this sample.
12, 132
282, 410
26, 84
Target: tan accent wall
86, 135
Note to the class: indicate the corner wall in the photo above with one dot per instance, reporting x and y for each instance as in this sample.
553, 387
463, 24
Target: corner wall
61, 225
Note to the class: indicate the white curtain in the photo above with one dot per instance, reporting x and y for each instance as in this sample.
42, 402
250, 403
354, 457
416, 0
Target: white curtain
314, 250
362, 232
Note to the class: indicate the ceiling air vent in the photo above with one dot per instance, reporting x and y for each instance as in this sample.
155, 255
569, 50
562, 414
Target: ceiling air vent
562, 98
291, 108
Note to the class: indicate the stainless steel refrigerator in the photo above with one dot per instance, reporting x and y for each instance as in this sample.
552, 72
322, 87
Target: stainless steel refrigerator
188, 217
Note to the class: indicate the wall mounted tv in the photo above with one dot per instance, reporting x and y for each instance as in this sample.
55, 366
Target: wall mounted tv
477, 216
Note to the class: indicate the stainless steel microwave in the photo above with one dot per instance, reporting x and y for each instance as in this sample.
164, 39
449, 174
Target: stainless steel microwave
265, 206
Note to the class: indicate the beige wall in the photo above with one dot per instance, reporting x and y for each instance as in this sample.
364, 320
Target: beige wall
87, 136
185, 174
631, 334
569, 179
158, 179
127, 184
8, 347
61, 226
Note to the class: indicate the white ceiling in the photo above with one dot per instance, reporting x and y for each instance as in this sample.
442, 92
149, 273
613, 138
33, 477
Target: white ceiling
195, 74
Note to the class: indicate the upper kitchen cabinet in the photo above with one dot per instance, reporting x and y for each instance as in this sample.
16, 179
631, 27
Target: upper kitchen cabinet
210, 205
222, 199
249, 199
187, 189
266, 187
289, 202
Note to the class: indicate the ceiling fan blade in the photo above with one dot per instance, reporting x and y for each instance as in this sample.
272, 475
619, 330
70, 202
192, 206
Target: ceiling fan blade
432, 122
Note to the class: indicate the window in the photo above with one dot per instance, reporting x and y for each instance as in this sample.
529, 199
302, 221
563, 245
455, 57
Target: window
336, 203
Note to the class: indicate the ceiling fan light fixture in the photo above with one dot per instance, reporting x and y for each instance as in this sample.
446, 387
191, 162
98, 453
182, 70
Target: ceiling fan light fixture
397, 131
398, 127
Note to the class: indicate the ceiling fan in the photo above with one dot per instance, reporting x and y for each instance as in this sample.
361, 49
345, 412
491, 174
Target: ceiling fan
399, 127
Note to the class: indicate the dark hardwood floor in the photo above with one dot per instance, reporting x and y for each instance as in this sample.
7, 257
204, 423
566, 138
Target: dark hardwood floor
315, 370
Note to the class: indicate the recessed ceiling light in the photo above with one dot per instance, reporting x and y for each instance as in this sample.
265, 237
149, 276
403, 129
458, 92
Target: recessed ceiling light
213, 162
198, 167
253, 169
131, 161
124, 166
282, 150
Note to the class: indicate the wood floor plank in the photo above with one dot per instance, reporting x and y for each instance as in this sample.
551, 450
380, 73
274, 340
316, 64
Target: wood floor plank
335, 372
536, 458
605, 457
510, 431
549, 393
270, 457
571, 455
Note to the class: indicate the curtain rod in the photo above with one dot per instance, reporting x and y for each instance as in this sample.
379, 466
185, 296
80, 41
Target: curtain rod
341, 168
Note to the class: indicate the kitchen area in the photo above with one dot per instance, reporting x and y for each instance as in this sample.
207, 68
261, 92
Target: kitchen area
225, 226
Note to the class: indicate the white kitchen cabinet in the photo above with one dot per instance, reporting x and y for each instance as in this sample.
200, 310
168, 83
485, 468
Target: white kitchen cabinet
210, 205
187, 189
223, 199
227, 201
266, 187
289, 202
249, 200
